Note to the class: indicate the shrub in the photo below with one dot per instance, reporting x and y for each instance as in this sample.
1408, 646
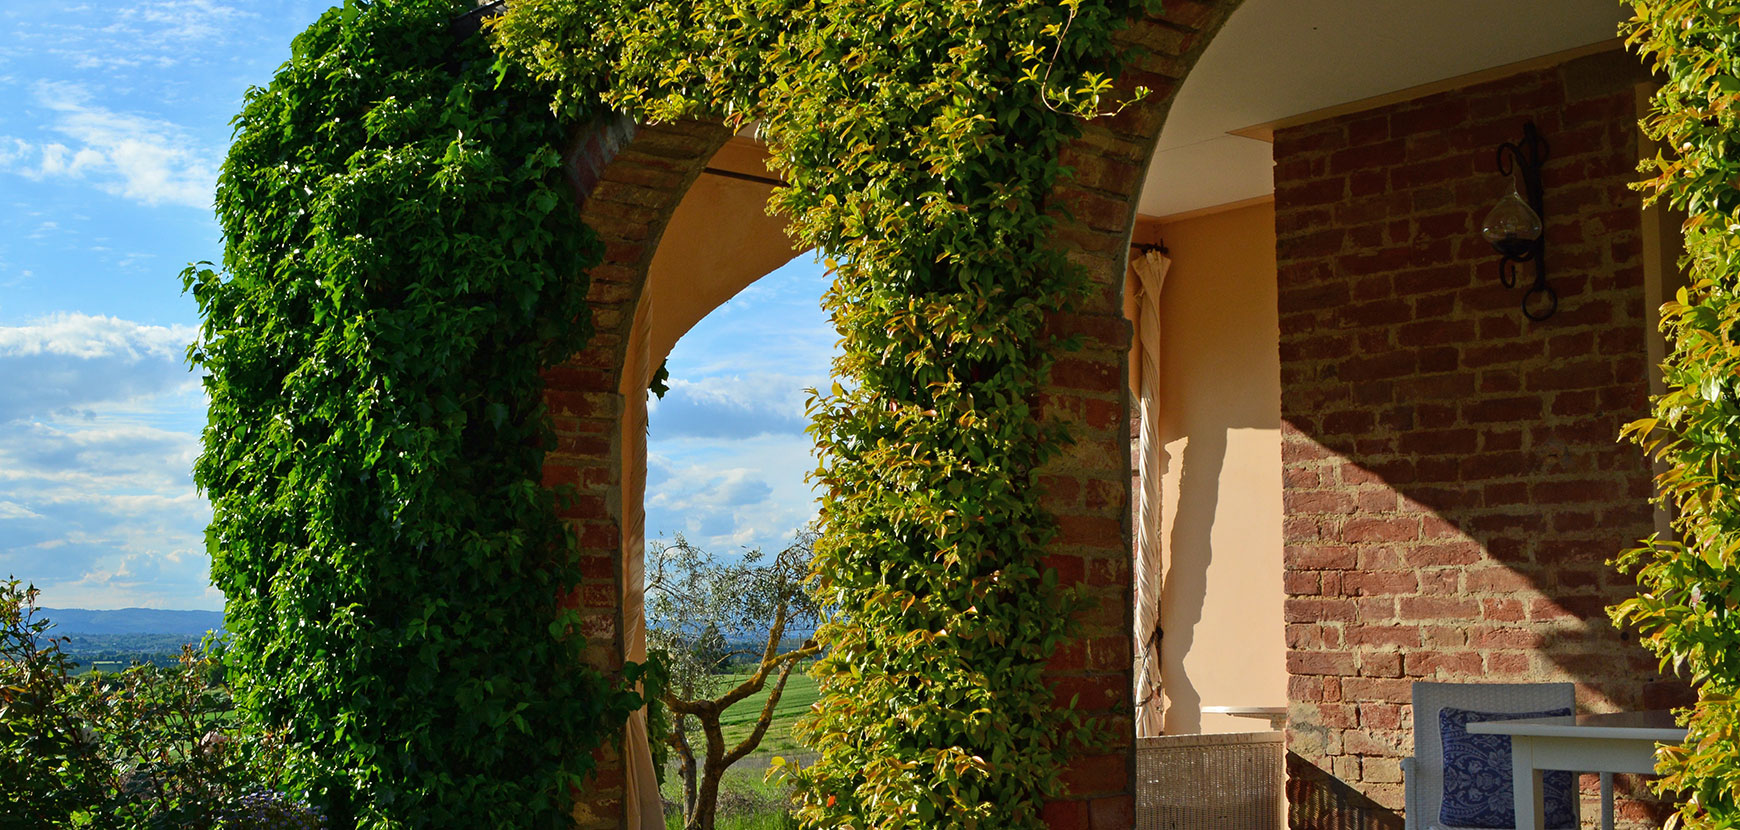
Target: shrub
142, 749
49, 764
175, 753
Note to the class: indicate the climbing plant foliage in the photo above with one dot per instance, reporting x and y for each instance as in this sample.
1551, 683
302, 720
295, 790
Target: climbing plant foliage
1689, 605
402, 259
920, 140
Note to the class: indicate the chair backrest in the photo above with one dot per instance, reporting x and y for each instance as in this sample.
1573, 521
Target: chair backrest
1431, 698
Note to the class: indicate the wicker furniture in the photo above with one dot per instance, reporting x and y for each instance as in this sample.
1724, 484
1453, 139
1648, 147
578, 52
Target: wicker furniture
1211, 782
1423, 774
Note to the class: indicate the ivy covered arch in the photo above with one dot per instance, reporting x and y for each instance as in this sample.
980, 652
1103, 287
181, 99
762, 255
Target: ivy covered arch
1108, 159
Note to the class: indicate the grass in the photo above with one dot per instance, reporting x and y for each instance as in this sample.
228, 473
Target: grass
747, 801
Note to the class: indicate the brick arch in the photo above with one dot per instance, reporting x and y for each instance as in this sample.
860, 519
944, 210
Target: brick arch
629, 180
635, 184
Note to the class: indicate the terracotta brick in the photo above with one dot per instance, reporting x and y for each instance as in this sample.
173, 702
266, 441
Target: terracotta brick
1112, 813
1380, 582
1319, 557
1321, 662
1302, 583
1380, 664
1299, 609
1381, 635
1094, 692
1438, 608
1371, 529
1440, 664
1097, 774
1065, 815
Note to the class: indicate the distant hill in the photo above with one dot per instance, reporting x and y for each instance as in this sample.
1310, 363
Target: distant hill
68, 621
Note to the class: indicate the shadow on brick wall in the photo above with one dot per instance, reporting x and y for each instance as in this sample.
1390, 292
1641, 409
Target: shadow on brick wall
1317, 800
1453, 485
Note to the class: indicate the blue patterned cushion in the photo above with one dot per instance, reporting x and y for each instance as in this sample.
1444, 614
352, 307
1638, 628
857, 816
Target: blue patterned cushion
1477, 775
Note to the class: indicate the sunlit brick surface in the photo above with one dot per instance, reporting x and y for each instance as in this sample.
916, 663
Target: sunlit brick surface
1453, 486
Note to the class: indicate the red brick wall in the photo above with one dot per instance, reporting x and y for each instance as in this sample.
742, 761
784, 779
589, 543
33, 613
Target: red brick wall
1452, 481
1088, 487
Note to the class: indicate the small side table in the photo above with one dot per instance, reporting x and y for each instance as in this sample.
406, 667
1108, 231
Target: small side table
1275, 715
1620, 742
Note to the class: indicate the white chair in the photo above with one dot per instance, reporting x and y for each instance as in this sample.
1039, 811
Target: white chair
1423, 774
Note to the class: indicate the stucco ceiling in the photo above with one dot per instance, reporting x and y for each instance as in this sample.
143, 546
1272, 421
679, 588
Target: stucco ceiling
1280, 58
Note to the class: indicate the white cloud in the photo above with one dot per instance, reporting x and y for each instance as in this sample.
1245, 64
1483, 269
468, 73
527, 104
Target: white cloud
113, 463
94, 336
12, 150
155, 34
104, 515
143, 159
8, 510
135, 580
727, 452
183, 20
79, 366
730, 407
57, 160
727, 496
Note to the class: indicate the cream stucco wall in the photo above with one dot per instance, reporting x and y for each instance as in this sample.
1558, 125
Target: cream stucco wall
1221, 604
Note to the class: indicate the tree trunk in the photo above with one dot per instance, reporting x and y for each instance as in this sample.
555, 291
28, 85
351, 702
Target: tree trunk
708, 807
712, 769
686, 763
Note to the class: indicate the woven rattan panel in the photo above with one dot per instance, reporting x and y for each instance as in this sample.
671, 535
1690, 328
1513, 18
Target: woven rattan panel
1210, 782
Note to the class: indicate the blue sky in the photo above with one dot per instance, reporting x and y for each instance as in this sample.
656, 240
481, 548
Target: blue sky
114, 117
726, 447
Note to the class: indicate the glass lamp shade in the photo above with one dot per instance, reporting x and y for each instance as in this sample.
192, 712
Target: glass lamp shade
1512, 227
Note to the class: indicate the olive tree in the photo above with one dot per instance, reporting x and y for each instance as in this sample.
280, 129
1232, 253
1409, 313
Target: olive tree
709, 614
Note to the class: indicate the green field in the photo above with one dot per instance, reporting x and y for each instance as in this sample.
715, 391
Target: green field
800, 692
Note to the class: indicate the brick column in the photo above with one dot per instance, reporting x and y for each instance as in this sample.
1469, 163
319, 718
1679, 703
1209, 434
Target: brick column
1088, 488
628, 180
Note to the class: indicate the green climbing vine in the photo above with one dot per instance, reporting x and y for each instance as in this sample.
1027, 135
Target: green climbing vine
1689, 607
920, 140
401, 261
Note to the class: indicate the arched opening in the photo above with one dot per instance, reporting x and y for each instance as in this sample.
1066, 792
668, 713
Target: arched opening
719, 240
727, 451
727, 473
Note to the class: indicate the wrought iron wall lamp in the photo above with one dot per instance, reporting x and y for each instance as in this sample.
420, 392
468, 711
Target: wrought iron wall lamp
1516, 227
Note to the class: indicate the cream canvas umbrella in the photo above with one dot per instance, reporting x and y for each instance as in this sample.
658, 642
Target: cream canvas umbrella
1142, 306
